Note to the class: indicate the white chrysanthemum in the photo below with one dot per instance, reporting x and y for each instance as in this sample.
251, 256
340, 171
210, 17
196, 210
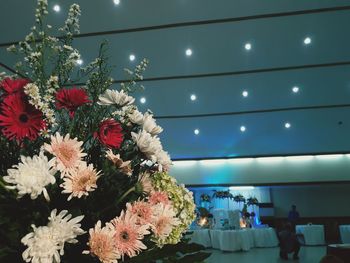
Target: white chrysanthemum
163, 160
81, 181
68, 153
147, 144
149, 124
46, 243
111, 97
65, 228
42, 246
31, 176
136, 117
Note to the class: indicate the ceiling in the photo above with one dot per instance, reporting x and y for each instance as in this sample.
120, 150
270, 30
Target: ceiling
220, 68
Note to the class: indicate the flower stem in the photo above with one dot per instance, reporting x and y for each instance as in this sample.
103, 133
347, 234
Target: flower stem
125, 194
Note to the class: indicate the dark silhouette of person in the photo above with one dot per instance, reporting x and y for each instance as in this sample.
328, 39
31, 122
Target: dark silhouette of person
288, 242
293, 216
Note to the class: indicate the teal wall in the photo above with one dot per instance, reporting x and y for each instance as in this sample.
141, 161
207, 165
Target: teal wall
326, 200
263, 170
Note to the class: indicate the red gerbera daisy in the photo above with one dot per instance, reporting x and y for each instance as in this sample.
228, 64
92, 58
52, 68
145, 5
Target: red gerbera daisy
11, 86
71, 99
110, 133
19, 119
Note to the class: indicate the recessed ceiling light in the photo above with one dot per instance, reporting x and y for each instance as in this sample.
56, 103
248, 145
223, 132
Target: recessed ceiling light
307, 41
56, 8
295, 89
188, 52
132, 57
143, 100
248, 46
245, 93
242, 128
287, 125
193, 97
80, 61
196, 131
116, 2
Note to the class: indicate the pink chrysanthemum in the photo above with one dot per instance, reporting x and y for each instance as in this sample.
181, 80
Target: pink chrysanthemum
143, 210
159, 197
164, 220
102, 245
67, 153
80, 181
128, 234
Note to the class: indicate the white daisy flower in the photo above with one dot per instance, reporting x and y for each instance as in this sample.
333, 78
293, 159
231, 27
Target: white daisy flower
119, 98
42, 246
31, 176
149, 124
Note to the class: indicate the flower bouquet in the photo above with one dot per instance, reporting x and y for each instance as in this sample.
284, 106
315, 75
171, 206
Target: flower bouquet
239, 198
83, 172
222, 194
251, 201
205, 198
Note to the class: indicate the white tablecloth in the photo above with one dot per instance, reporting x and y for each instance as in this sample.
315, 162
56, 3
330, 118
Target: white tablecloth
202, 237
313, 234
345, 233
265, 237
244, 239
231, 240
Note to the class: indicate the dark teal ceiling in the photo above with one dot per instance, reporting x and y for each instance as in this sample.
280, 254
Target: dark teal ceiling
220, 68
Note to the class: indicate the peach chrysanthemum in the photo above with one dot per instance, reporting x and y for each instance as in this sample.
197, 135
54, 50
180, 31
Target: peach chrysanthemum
128, 234
143, 210
159, 197
67, 152
80, 181
125, 167
144, 184
164, 220
101, 244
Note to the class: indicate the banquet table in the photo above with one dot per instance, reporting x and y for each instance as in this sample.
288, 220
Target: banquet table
264, 237
231, 240
202, 237
313, 234
345, 233
243, 239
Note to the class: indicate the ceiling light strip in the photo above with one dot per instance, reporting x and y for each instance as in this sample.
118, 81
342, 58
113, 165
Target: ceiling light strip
206, 22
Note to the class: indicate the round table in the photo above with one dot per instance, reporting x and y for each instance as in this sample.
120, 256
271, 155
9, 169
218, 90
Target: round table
345, 233
202, 237
313, 234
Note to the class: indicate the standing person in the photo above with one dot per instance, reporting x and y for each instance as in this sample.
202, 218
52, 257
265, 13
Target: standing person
293, 216
288, 242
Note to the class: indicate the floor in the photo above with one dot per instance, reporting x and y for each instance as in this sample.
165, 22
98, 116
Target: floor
265, 255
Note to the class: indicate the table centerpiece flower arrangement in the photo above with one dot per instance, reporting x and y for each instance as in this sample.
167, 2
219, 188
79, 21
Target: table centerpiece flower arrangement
84, 176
